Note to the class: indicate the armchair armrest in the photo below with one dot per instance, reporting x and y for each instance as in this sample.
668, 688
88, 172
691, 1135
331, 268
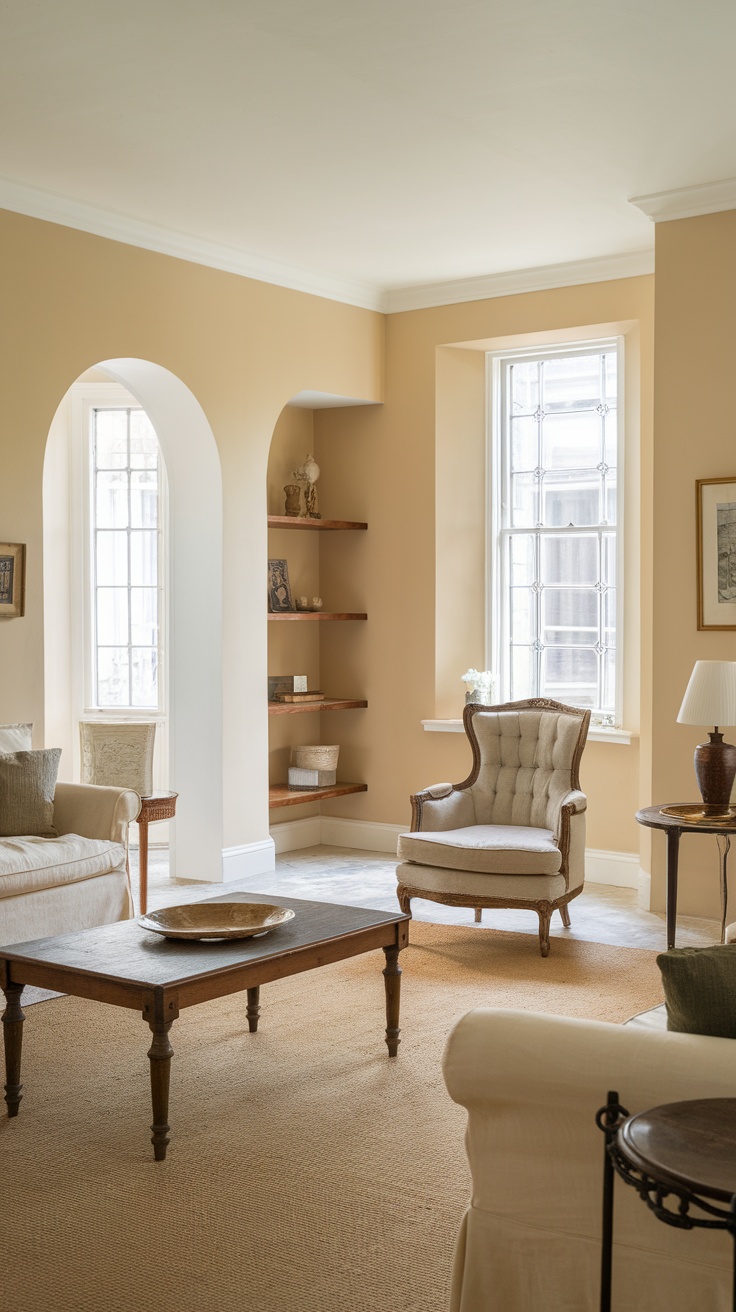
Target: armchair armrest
442, 806
95, 812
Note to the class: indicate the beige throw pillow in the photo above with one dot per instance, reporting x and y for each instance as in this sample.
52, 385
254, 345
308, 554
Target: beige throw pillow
15, 737
27, 785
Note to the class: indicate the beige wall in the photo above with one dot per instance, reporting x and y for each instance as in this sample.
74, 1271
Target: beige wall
695, 335
414, 469
243, 348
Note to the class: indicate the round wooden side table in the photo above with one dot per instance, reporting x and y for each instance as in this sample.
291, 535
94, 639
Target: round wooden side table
158, 806
655, 817
679, 1156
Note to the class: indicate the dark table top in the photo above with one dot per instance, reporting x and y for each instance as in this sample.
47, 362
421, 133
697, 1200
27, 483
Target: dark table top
655, 819
687, 1145
125, 951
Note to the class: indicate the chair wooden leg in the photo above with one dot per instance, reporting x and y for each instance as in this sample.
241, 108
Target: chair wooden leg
478, 914
545, 915
404, 899
565, 913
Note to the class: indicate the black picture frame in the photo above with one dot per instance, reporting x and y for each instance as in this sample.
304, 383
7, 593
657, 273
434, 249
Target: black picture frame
279, 591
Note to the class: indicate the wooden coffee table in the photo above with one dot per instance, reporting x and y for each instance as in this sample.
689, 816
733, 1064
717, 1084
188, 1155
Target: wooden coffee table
131, 967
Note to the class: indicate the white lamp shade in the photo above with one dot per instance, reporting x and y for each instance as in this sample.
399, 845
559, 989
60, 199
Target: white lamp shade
710, 696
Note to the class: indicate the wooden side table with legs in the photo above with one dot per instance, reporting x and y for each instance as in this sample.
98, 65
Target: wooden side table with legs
159, 806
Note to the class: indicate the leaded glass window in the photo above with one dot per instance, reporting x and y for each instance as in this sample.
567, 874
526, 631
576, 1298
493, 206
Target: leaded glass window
557, 472
126, 591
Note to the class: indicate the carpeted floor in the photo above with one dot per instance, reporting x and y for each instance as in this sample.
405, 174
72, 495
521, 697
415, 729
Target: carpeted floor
306, 1172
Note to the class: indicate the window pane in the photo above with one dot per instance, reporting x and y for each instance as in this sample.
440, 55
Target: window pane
143, 441
610, 498
611, 376
522, 555
572, 382
112, 676
523, 615
112, 559
112, 616
524, 500
608, 573
571, 498
524, 387
570, 617
111, 439
144, 677
143, 498
111, 509
524, 444
143, 558
570, 674
608, 702
610, 451
609, 617
523, 672
569, 558
572, 441
144, 617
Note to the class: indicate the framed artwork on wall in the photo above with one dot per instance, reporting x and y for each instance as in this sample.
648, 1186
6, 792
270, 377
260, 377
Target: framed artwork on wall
279, 592
716, 521
12, 579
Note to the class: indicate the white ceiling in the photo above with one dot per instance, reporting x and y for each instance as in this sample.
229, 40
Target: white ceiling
370, 146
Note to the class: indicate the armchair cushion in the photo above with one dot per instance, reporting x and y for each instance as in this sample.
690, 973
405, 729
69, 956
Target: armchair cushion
30, 864
485, 849
27, 783
699, 989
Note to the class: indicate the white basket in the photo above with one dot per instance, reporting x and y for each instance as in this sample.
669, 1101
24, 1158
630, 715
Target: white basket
316, 758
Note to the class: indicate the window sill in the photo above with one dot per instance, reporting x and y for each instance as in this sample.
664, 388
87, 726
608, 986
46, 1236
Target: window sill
596, 734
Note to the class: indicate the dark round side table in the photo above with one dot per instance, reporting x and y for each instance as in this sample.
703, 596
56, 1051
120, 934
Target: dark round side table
679, 1156
656, 818
158, 806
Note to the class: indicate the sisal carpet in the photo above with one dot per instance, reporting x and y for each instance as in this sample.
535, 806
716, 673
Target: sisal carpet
306, 1172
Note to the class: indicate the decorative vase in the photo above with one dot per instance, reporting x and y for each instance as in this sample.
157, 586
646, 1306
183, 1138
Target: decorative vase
480, 696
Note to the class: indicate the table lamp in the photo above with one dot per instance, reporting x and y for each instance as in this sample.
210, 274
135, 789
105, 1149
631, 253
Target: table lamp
710, 698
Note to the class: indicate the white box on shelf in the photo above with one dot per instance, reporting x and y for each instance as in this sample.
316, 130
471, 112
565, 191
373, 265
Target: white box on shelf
302, 778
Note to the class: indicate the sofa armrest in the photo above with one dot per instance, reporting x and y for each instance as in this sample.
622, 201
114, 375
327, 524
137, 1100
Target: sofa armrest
95, 812
442, 806
532, 1085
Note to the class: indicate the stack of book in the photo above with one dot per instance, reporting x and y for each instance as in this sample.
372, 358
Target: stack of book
314, 696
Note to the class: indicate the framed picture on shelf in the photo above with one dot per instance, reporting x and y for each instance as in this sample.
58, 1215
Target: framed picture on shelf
279, 592
12, 579
716, 546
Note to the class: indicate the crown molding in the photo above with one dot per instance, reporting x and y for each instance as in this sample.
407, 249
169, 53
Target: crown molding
53, 208
688, 202
601, 269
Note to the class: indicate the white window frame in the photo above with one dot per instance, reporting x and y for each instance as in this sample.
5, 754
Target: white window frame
85, 399
497, 482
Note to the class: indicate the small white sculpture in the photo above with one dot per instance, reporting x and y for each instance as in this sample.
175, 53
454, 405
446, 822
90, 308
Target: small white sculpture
316, 603
308, 473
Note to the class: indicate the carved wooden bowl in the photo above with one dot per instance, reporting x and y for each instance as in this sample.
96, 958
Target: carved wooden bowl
216, 920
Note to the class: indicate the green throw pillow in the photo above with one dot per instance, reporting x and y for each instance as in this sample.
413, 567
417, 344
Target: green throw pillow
700, 989
27, 786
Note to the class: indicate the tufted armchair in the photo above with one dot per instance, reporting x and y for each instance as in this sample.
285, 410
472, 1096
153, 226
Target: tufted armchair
513, 833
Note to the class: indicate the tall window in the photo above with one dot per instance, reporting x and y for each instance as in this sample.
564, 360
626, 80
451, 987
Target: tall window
557, 510
125, 572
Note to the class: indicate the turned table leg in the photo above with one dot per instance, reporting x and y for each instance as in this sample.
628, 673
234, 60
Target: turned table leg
160, 1054
143, 864
673, 852
13, 1018
253, 1009
392, 980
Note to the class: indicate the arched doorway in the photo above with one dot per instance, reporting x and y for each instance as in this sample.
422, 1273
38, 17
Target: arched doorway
194, 656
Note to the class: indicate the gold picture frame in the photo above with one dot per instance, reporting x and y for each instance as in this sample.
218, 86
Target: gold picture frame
715, 500
12, 579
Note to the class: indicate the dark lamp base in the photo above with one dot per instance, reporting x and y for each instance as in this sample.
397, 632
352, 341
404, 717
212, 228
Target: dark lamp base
715, 771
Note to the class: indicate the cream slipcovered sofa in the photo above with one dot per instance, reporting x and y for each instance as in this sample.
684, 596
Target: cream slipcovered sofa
77, 880
530, 1239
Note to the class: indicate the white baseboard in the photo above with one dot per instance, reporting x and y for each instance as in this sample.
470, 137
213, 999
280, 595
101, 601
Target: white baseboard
293, 834
621, 869
248, 859
368, 835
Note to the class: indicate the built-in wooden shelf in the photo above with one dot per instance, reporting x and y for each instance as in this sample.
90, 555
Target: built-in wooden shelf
329, 704
315, 615
291, 521
280, 795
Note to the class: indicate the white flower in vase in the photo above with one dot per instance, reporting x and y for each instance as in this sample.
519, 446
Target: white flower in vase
480, 686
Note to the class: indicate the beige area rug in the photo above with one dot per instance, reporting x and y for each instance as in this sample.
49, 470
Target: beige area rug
307, 1172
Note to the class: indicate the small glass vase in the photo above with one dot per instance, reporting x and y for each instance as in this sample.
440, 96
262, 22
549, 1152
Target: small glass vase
479, 696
